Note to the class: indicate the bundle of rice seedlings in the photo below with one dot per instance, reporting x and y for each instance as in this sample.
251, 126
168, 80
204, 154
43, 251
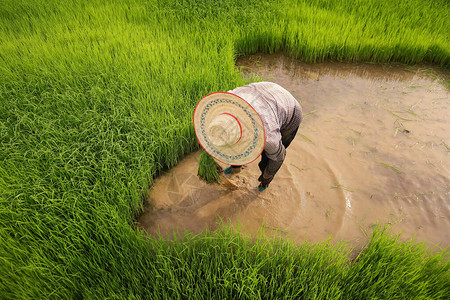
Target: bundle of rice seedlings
208, 169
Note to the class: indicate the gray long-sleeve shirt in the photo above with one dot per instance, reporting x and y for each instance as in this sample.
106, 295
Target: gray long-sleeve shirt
279, 112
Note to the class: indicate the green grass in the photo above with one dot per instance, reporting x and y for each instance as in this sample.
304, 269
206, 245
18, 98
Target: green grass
208, 168
226, 265
97, 98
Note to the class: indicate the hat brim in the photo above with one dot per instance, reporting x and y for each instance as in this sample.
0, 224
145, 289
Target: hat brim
252, 141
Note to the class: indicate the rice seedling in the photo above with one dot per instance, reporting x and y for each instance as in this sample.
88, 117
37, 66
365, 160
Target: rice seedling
446, 83
398, 116
298, 168
306, 138
408, 111
341, 186
399, 127
352, 140
208, 168
240, 267
311, 113
393, 168
359, 132
445, 145
396, 258
328, 212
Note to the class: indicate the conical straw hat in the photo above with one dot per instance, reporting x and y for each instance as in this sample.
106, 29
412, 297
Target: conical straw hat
228, 128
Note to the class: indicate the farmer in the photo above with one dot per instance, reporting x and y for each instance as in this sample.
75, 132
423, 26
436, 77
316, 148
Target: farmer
238, 126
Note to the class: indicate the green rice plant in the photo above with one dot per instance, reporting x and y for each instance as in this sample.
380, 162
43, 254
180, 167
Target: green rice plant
445, 145
390, 269
311, 113
341, 186
226, 264
331, 148
306, 138
400, 117
208, 168
393, 168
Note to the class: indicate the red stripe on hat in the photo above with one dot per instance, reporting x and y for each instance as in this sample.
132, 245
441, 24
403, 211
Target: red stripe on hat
201, 145
240, 127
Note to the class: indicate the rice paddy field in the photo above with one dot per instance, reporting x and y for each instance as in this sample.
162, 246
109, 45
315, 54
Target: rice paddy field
97, 99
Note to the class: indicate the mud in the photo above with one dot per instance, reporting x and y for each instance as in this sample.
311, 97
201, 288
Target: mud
373, 148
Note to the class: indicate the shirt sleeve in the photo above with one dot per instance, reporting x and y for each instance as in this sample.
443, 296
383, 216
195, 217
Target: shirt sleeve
276, 154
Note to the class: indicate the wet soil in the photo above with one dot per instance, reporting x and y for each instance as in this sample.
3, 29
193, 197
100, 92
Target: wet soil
374, 147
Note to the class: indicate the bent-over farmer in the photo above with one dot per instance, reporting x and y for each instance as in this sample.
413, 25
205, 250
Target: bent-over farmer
238, 126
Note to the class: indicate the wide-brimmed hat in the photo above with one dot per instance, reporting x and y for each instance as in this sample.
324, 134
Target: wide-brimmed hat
229, 128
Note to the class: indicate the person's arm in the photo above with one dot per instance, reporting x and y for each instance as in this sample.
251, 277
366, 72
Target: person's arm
275, 152
276, 159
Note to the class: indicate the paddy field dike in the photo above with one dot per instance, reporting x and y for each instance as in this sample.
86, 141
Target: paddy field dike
96, 102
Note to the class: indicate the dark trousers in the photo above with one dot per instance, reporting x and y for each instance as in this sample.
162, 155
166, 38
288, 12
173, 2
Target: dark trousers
285, 140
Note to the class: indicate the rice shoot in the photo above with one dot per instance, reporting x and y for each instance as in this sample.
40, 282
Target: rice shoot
208, 168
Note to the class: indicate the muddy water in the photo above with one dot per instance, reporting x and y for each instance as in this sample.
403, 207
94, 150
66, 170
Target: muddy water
373, 148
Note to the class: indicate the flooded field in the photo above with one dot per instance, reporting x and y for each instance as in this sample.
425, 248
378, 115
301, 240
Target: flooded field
373, 147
